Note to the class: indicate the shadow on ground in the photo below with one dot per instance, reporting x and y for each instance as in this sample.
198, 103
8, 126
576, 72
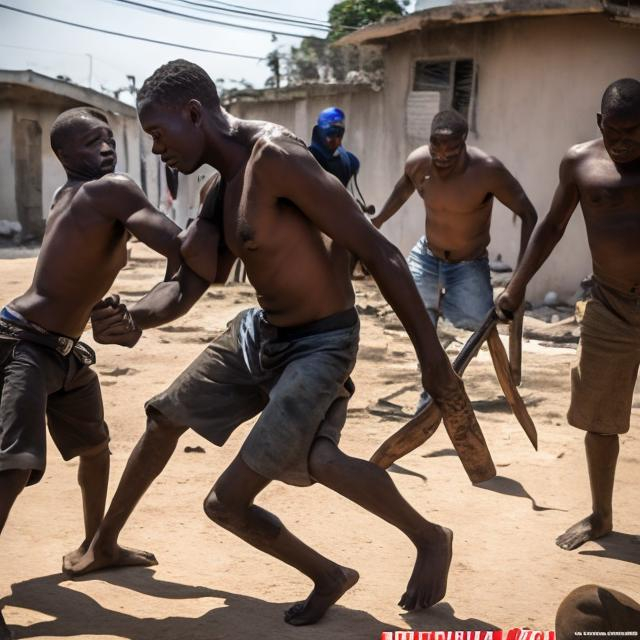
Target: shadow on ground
240, 616
510, 487
618, 546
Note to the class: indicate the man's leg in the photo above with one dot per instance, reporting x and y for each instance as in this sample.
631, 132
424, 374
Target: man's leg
12, 482
230, 504
424, 268
602, 455
93, 478
147, 460
468, 293
372, 488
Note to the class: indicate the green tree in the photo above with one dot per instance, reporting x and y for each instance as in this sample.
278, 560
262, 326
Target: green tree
349, 14
317, 59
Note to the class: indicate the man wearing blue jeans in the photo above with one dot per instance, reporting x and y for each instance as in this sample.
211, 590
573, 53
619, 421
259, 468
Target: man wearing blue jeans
457, 184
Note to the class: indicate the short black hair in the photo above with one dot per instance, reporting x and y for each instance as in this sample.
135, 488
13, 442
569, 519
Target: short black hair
179, 81
64, 123
451, 121
621, 96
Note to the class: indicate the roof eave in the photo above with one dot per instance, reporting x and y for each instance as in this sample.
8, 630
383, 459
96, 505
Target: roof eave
470, 13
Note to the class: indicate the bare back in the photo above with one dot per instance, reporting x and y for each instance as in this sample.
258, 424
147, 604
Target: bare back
610, 199
82, 253
299, 274
458, 207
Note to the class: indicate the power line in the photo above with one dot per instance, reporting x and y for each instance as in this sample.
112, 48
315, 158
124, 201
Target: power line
209, 21
275, 13
66, 53
259, 16
126, 35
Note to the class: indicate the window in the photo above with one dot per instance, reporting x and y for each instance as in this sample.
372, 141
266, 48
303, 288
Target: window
439, 85
452, 79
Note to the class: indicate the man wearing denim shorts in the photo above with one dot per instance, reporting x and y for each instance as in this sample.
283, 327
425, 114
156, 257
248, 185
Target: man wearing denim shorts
293, 225
457, 184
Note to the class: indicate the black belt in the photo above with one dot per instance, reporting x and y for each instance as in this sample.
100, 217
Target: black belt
340, 320
59, 343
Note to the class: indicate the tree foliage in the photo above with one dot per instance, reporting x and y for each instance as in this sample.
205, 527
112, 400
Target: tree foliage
319, 60
349, 14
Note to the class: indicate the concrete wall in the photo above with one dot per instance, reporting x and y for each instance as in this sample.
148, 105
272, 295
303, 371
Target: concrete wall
8, 208
540, 81
127, 134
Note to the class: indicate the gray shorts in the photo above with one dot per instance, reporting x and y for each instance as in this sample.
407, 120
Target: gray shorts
38, 386
298, 377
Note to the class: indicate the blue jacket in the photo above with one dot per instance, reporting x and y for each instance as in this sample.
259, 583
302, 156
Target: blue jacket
342, 164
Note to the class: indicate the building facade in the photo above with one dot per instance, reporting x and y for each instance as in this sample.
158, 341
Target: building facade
529, 76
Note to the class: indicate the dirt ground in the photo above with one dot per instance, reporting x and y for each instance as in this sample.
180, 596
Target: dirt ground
506, 572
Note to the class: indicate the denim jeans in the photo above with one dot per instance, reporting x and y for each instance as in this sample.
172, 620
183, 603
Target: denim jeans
461, 292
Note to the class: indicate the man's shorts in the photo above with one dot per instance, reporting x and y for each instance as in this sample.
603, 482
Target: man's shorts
38, 385
298, 377
467, 296
603, 380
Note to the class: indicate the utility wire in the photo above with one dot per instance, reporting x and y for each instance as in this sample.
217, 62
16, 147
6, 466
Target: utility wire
275, 13
210, 10
261, 16
126, 35
207, 20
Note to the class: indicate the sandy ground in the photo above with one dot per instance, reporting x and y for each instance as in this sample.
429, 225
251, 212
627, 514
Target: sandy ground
506, 570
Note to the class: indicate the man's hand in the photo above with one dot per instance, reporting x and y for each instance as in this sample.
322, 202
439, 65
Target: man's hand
508, 303
112, 323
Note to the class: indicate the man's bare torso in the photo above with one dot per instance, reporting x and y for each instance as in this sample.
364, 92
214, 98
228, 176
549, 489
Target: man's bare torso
82, 253
610, 201
298, 273
458, 207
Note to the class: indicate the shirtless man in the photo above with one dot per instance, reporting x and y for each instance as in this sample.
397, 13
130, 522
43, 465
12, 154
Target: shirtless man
44, 370
290, 360
457, 184
603, 175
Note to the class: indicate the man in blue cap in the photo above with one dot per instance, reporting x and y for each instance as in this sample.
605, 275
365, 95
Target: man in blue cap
326, 147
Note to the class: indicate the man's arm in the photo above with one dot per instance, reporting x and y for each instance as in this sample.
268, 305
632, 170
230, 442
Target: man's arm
545, 237
401, 192
292, 174
114, 323
511, 194
206, 261
118, 197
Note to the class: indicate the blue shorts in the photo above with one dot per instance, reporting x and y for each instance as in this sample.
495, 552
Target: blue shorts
459, 291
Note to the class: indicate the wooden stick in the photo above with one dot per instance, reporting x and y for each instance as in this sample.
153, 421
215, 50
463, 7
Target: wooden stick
503, 371
469, 443
515, 346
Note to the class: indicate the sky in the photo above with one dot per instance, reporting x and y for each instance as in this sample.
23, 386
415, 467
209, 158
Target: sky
103, 61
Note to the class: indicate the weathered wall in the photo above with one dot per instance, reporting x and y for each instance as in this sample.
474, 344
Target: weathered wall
539, 86
540, 81
8, 209
127, 134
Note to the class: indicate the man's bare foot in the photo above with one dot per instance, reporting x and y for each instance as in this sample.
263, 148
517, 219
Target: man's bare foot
428, 582
324, 594
70, 559
591, 528
99, 558
5, 634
